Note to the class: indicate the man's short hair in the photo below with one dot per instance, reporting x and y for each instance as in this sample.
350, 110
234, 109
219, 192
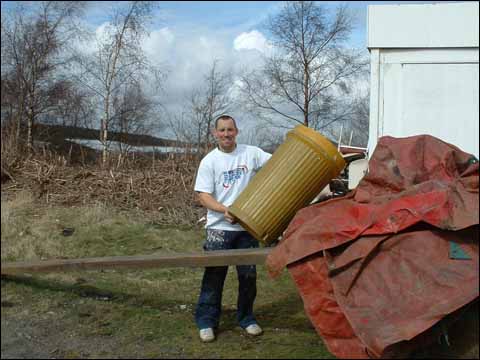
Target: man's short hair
225, 117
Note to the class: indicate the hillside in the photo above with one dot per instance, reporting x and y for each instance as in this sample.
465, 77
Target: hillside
57, 134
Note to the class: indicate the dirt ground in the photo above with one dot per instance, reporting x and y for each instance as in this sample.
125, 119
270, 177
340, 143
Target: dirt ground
36, 336
25, 336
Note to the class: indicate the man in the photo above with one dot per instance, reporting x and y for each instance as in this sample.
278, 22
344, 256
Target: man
222, 175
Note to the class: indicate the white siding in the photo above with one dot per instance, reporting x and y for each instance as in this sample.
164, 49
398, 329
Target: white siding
425, 90
423, 25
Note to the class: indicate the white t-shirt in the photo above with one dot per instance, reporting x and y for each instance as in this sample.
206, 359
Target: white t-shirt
225, 175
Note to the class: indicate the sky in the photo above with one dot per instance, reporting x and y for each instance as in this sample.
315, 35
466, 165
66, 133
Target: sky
186, 37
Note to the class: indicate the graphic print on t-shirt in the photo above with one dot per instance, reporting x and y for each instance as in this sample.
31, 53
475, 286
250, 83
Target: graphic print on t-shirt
231, 176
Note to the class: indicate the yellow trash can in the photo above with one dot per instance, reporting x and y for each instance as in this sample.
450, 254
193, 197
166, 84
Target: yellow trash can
298, 170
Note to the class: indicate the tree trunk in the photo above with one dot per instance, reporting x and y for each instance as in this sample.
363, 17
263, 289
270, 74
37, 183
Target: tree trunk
104, 127
19, 124
30, 123
306, 95
103, 139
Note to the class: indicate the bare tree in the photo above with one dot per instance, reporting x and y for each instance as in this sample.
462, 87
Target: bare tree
33, 53
132, 114
269, 139
204, 104
119, 60
73, 105
308, 69
358, 126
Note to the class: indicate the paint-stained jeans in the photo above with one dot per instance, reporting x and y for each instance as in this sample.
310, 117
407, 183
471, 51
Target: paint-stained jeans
209, 305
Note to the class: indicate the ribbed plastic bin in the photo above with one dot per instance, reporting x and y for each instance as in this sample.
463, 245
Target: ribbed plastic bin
297, 171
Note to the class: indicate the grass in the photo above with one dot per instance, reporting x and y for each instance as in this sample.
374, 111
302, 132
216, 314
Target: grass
134, 313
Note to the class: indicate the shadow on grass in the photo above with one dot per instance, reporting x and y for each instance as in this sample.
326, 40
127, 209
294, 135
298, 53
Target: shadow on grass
90, 291
288, 332
285, 312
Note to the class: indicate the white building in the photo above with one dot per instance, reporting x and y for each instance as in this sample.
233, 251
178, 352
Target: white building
424, 72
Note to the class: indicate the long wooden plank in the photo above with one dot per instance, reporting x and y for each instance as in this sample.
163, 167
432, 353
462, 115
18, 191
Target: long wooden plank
197, 259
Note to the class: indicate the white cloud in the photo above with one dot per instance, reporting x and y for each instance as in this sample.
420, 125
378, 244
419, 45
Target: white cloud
159, 43
253, 40
102, 32
187, 54
166, 34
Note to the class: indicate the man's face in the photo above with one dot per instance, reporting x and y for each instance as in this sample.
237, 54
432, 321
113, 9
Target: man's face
226, 134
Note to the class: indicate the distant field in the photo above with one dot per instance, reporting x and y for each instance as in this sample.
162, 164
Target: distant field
129, 313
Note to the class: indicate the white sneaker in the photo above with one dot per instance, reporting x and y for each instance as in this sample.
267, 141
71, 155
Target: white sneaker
207, 335
253, 330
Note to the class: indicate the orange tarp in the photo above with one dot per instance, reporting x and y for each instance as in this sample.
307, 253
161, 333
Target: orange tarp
374, 268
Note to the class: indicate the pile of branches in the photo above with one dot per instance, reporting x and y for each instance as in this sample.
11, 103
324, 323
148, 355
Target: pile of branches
162, 188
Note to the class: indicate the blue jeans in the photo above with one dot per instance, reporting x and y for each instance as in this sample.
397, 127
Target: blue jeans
209, 306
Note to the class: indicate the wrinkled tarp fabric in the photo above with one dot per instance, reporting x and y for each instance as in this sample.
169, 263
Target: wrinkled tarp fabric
373, 268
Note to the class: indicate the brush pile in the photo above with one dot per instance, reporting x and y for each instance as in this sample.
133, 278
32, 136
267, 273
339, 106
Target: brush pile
162, 188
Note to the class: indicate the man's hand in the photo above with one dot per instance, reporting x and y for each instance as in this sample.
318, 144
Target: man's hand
209, 202
229, 217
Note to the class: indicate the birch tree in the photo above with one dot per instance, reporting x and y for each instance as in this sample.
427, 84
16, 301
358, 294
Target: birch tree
118, 60
33, 51
307, 69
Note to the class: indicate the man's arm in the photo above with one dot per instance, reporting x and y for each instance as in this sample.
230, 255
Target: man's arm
208, 201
